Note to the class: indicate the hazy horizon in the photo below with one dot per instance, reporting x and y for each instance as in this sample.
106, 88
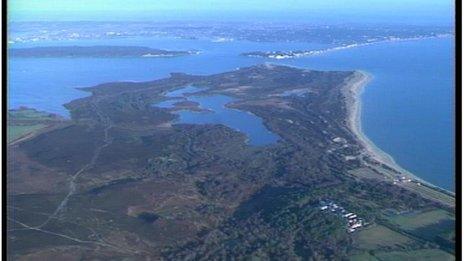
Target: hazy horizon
414, 12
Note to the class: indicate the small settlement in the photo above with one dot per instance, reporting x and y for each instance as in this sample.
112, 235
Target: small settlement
353, 221
403, 179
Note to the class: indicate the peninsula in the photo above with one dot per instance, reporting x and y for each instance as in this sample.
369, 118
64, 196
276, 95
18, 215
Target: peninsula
123, 179
302, 53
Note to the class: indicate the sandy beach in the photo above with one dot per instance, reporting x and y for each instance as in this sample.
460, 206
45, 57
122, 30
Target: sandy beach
353, 90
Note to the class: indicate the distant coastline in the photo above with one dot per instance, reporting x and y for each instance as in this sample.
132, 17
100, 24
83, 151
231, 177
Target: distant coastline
99, 51
279, 55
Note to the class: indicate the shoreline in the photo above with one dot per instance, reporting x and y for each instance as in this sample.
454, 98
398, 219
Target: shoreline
280, 55
352, 90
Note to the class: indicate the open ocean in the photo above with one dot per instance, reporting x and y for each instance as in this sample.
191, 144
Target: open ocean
407, 110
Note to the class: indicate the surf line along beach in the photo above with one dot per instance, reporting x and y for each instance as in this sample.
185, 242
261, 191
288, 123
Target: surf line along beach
352, 90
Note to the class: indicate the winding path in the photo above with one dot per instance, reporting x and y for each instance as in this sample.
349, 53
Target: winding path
107, 140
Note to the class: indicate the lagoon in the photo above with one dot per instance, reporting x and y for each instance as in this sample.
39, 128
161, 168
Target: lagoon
215, 111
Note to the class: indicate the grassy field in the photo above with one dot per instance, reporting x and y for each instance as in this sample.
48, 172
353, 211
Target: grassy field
24, 121
380, 236
436, 226
31, 114
363, 257
423, 254
414, 221
17, 131
433, 194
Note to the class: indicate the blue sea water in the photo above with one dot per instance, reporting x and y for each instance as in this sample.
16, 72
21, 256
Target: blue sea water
407, 109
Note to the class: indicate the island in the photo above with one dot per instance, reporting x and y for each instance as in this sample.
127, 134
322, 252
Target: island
125, 179
282, 54
94, 51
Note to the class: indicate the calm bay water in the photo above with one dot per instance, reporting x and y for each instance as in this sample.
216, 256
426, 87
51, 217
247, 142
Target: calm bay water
407, 108
218, 113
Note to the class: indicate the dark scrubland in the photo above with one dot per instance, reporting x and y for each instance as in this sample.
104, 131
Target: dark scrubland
124, 181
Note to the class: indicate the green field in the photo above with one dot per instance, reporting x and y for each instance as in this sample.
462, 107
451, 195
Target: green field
363, 257
24, 121
432, 193
379, 237
414, 221
411, 255
16, 131
435, 226
423, 254
25, 114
